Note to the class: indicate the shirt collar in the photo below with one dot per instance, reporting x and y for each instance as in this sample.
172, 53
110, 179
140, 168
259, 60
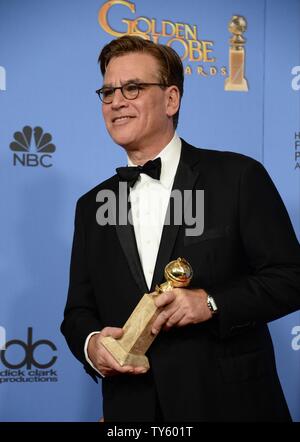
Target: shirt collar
170, 156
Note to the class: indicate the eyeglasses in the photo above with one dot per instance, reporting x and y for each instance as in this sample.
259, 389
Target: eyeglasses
130, 91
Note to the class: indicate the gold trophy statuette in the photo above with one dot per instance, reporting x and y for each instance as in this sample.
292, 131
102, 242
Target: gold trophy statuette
236, 81
130, 349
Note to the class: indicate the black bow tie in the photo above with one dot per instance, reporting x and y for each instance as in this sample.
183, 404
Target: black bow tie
131, 173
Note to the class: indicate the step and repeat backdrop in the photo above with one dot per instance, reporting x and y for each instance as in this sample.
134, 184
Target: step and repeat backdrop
54, 147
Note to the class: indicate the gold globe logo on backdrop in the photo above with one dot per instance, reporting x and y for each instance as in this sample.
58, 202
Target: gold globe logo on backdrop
182, 37
236, 80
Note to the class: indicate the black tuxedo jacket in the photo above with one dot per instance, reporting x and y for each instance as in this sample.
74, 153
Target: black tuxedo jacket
247, 258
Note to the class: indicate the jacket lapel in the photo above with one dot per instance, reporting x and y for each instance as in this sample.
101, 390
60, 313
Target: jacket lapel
125, 233
185, 179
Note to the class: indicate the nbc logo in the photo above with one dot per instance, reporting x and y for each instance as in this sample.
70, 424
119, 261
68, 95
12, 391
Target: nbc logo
22, 146
2, 79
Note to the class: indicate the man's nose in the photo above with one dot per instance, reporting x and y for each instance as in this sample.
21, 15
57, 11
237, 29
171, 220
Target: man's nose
118, 99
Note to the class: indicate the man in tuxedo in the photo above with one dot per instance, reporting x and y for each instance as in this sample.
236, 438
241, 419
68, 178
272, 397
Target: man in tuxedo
212, 359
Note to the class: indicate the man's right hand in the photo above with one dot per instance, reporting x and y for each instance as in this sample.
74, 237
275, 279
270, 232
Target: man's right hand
103, 360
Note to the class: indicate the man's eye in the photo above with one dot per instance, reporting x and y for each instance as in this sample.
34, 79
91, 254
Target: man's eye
107, 92
131, 87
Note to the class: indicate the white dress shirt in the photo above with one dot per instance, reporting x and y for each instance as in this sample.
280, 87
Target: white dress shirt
149, 202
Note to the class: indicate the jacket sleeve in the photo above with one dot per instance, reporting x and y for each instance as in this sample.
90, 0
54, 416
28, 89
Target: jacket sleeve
272, 289
80, 314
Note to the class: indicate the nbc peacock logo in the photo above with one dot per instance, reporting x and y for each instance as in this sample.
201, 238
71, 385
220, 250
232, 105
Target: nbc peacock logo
32, 147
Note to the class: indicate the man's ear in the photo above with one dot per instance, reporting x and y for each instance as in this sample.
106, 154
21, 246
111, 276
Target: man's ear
172, 100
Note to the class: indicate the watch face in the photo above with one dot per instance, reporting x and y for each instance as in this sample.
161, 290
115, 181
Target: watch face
211, 304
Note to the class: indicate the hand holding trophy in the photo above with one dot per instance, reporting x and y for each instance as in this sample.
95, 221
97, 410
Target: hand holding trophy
130, 349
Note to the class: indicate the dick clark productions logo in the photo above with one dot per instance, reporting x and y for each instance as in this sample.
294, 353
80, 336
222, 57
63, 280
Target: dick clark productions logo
22, 146
28, 361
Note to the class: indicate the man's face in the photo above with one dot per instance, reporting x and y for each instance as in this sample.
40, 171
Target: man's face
143, 122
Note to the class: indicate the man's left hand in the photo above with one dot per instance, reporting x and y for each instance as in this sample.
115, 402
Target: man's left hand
181, 307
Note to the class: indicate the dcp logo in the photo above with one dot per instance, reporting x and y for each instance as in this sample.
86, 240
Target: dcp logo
2, 79
296, 80
296, 339
29, 360
22, 144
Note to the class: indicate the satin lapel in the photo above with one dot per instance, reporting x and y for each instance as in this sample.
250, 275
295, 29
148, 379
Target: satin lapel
185, 179
125, 233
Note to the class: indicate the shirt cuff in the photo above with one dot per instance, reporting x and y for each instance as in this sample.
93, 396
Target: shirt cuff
86, 352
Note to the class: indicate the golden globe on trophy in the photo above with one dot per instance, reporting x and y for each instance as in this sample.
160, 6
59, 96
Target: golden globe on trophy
236, 80
130, 349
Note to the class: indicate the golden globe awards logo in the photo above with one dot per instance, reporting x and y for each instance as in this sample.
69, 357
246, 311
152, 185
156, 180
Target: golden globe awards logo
22, 147
180, 36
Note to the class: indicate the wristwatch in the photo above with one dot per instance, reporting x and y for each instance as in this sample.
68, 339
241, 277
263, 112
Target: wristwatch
211, 304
